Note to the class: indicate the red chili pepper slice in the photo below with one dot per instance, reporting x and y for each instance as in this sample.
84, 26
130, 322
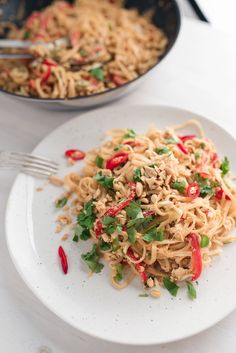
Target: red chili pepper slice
138, 266
219, 193
118, 80
113, 211
182, 148
74, 154
131, 143
193, 190
215, 160
98, 228
47, 75
197, 257
63, 259
227, 198
148, 213
204, 175
186, 137
49, 62
116, 160
44, 21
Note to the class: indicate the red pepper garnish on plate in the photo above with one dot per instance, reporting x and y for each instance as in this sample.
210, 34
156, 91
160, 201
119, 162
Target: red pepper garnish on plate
138, 266
49, 62
196, 256
113, 211
98, 228
75, 154
182, 148
118, 80
63, 259
193, 190
47, 74
116, 160
186, 137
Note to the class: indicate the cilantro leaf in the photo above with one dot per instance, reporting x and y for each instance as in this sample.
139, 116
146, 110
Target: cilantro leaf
118, 147
170, 286
115, 244
104, 246
91, 258
119, 272
83, 52
75, 238
87, 218
110, 229
119, 228
179, 185
85, 235
98, 73
105, 181
134, 210
162, 150
153, 235
206, 188
197, 155
204, 241
99, 161
224, 166
191, 290
130, 134
108, 220
137, 175
131, 235
80, 232
61, 203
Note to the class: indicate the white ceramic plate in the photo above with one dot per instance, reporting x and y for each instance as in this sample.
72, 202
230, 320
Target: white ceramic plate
92, 305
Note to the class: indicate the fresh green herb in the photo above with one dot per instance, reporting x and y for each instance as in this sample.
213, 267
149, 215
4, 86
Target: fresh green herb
224, 166
191, 290
85, 235
27, 35
134, 210
137, 175
130, 134
98, 73
105, 181
179, 185
131, 235
215, 184
170, 286
83, 52
118, 147
206, 188
171, 141
197, 155
162, 150
115, 244
91, 258
154, 234
119, 228
87, 218
204, 241
99, 161
62, 202
143, 295
119, 272
110, 229
75, 238
105, 246
202, 145
108, 220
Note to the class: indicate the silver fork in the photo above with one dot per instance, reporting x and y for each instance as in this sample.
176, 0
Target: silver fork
29, 164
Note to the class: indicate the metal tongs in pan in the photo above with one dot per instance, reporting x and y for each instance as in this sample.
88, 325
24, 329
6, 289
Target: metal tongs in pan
22, 44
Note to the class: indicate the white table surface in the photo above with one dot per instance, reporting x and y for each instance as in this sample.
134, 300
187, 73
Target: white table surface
199, 75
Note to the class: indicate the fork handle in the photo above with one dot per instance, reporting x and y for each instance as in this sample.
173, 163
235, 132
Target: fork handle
12, 43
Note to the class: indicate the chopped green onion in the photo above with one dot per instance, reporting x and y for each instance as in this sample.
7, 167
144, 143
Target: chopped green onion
179, 185
115, 244
204, 241
118, 147
170, 286
143, 295
162, 150
98, 73
191, 290
130, 134
99, 161
119, 272
62, 202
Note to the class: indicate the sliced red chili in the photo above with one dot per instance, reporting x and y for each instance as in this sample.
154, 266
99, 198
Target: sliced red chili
118, 80
182, 148
131, 143
139, 267
113, 211
117, 160
219, 193
204, 175
186, 137
75, 154
148, 213
193, 190
227, 198
196, 256
63, 259
98, 228
49, 62
47, 74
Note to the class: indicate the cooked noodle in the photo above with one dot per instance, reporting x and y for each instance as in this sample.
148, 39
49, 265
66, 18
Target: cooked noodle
106, 47
179, 181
